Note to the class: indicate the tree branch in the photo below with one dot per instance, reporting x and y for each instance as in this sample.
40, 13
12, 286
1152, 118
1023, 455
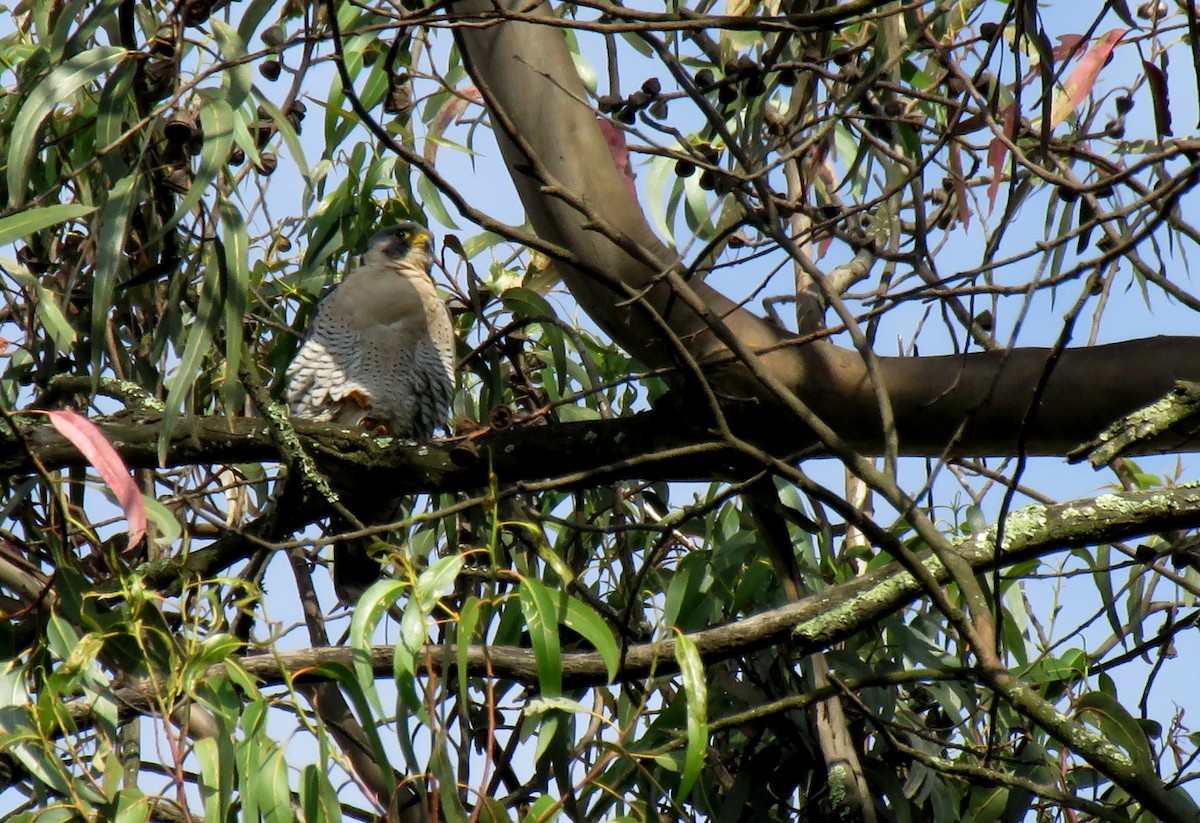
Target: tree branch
663, 444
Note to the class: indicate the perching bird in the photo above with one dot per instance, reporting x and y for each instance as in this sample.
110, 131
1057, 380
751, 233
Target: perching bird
379, 354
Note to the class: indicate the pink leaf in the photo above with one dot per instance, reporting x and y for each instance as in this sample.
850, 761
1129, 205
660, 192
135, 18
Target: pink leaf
447, 114
619, 151
94, 446
1083, 78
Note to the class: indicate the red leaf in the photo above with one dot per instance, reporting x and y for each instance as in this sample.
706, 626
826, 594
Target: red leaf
1067, 44
1157, 80
1083, 78
94, 446
619, 151
998, 150
960, 185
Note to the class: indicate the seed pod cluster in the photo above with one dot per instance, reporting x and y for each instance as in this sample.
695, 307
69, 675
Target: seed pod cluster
160, 73
178, 180
295, 114
710, 155
711, 179
399, 99
274, 35
264, 129
744, 77
625, 109
196, 12
184, 136
163, 42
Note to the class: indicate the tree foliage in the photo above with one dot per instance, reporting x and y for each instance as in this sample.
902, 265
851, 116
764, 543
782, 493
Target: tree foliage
701, 542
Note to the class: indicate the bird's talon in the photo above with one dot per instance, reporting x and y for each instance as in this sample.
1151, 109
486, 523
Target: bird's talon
376, 428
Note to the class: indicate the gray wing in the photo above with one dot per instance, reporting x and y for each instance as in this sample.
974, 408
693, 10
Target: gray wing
435, 361
434, 385
325, 370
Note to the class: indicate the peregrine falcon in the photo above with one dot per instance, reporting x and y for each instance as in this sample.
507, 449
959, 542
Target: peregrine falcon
379, 354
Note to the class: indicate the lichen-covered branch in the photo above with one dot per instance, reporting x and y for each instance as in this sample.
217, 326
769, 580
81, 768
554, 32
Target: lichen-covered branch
825, 617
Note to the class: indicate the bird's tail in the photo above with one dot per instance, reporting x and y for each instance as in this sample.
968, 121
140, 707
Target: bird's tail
354, 570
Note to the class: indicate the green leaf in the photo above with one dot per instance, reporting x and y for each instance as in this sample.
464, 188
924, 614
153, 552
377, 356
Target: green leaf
976, 522
1071, 666
697, 211
988, 804
543, 810
1118, 725
167, 528
468, 619
251, 16
318, 798
20, 737
376, 600
526, 303
353, 689
853, 152
437, 580
48, 312
74, 26
1100, 561
30, 221
236, 246
684, 591
199, 341
431, 585
540, 705
541, 617
413, 631
695, 688
212, 650
217, 768
431, 200
662, 174
111, 260
577, 414
238, 76
270, 783
58, 86
132, 806
249, 759
583, 619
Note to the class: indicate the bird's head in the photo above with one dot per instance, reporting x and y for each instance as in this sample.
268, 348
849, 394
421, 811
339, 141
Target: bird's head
405, 243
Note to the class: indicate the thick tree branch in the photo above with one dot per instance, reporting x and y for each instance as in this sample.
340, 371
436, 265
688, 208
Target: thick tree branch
977, 401
662, 444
